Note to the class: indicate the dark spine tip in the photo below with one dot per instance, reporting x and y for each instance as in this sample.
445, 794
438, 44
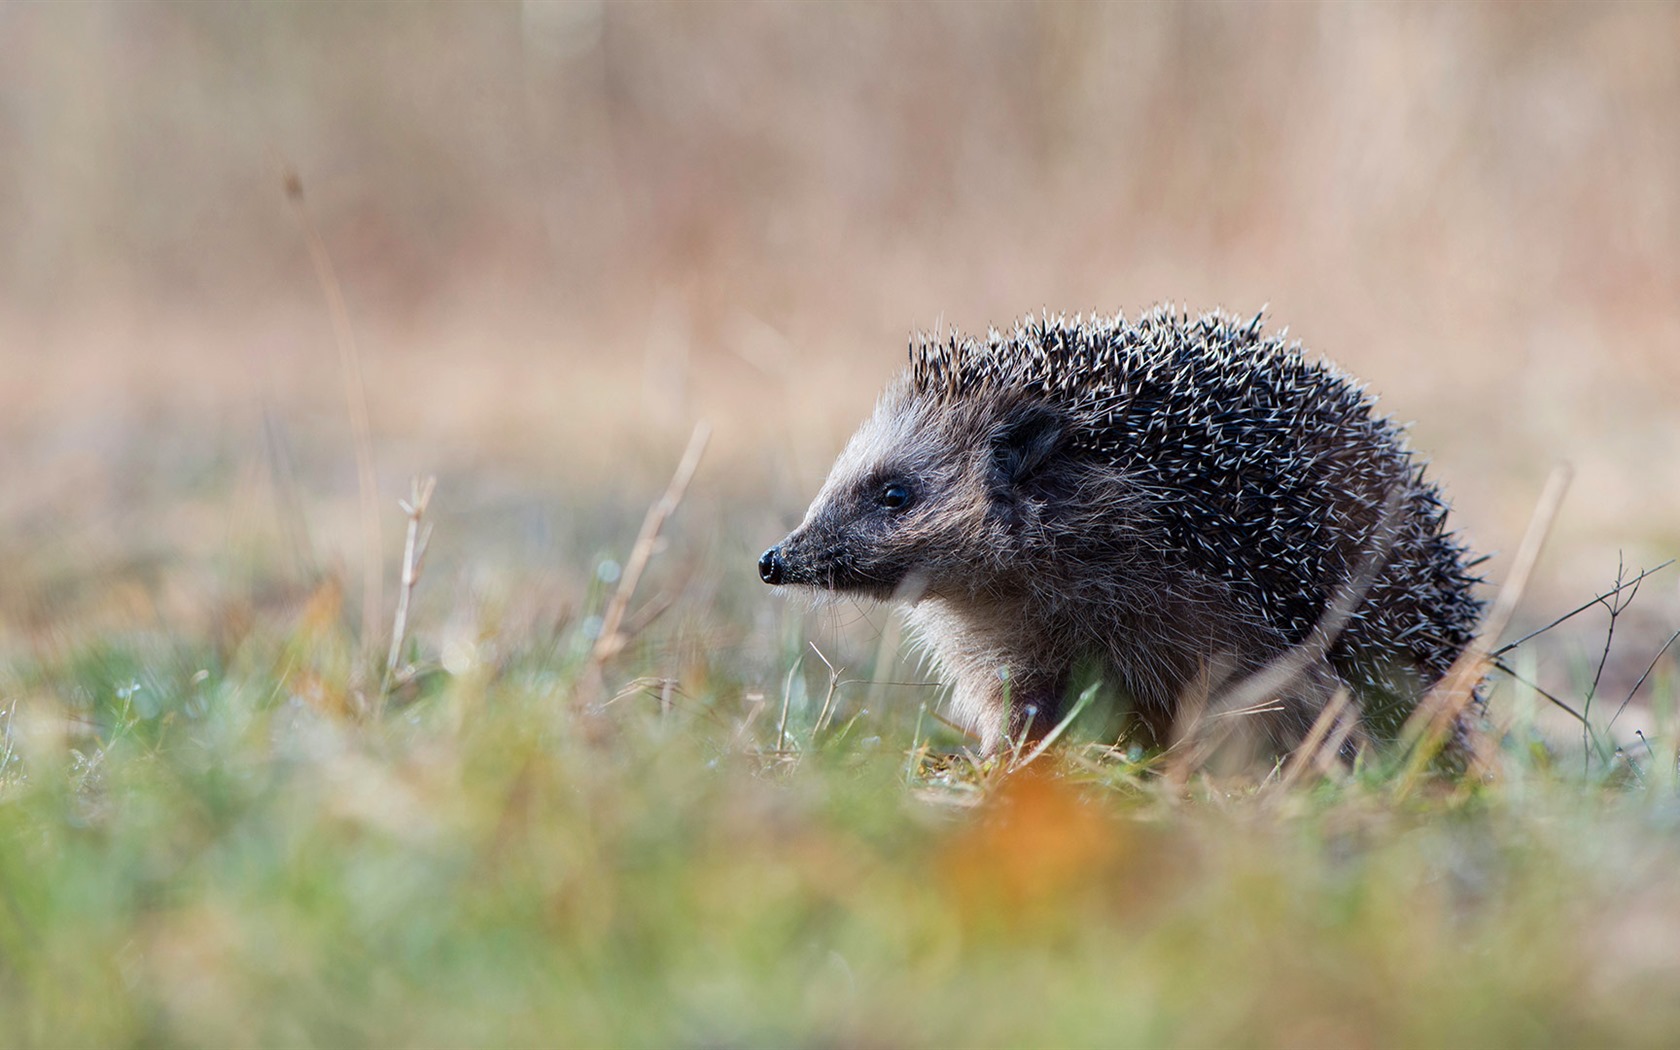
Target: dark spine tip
770, 567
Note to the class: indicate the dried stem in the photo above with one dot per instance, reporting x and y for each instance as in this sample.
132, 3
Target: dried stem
615, 634
787, 699
1314, 745
414, 559
612, 639
828, 697
1427, 729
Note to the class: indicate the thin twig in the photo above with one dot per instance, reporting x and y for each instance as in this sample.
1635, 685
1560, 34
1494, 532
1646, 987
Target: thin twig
1614, 607
1653, 666
1507, 670
355, 395
1579, 609
414, 560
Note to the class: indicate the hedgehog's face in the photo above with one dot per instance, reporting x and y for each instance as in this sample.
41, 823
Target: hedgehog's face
911, 507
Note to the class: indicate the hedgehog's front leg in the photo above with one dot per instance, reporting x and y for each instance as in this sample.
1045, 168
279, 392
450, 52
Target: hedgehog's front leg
1002, 691
1005, 705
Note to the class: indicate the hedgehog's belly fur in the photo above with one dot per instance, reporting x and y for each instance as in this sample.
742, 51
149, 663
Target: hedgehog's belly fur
1011, 664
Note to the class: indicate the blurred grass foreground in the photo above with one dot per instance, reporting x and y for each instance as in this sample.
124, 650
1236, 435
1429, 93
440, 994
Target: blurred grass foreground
297, 751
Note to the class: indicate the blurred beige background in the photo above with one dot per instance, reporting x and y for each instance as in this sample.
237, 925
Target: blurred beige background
566, 231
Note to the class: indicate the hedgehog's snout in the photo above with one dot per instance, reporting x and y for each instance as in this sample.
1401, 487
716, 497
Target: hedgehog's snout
771, 568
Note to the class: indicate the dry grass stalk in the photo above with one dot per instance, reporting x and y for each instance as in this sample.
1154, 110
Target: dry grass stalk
414, 559
787, 699
828, 697
614, 636
1329, 760
355, 395
1426, 732
1320, 740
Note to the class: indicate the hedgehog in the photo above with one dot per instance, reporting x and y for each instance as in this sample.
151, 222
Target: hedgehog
1168, 508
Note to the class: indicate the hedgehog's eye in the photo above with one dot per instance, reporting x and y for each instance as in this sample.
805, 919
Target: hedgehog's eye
894, 495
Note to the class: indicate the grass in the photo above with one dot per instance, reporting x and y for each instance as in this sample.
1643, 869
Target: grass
239, 837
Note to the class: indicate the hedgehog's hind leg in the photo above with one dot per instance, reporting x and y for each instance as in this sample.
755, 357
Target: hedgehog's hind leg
1253, 695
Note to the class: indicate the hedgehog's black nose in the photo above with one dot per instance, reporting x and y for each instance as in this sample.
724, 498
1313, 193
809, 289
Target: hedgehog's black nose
770, 568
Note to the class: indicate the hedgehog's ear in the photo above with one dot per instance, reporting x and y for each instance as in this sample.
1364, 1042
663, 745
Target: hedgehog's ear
1027, 437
